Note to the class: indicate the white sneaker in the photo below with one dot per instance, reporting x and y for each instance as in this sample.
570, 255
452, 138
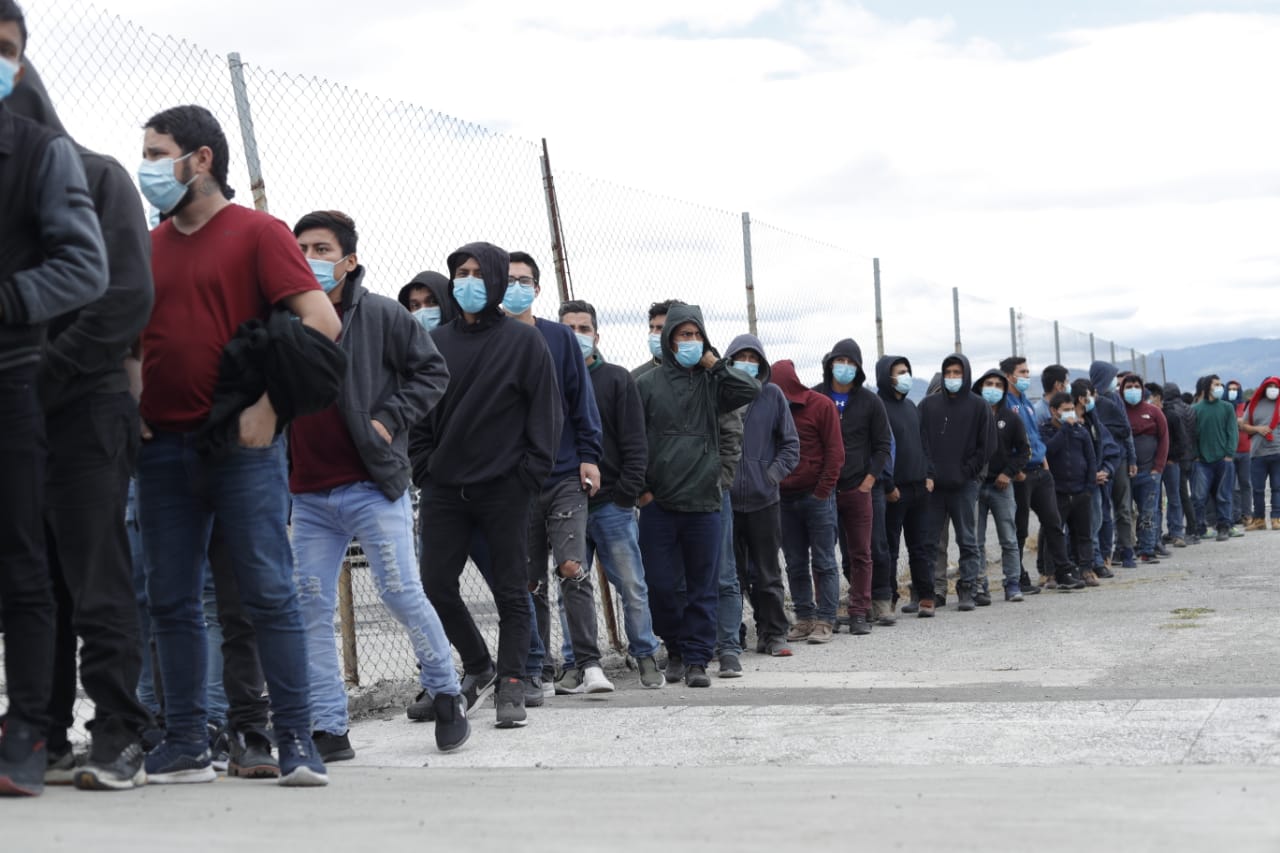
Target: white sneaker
594, 681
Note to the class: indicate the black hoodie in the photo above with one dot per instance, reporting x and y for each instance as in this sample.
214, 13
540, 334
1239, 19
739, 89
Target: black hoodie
864, 426
87, 347
440, 288
1011, 450
501, 415
1182, 438
910, 465
958, 431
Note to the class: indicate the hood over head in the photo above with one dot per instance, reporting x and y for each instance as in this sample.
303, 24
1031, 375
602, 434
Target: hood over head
1260, 392
982, 380
884, 381
30, 100
1101, 373
935, 384
678, 316
849, 349
967, 375
785, 377
750, 342
495, 267
440, 287
1172, 391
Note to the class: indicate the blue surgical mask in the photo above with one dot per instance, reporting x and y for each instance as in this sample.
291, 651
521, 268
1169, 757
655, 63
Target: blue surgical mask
586, 343
160, 185
518, 299
1133, 396
992, 395
8, 77
323, 271
748, 367
953, 385
1218, 391
1023, 384
655, 345
428, 318
1090, 403
844, 373
1068, 417
688, 353
1232, 394
904, 384
470, 294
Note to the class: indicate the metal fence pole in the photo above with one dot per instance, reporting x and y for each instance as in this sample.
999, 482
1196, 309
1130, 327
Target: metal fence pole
256, 185
557, 228
1093, 356
1113, 352
347, 619
1013, 333
1144, 368
1164, 376
750, 277
1133, 359
955, 309
875, 266
1057, 344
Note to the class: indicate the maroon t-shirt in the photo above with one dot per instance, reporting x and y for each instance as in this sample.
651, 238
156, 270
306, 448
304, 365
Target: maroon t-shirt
234, 269
321, 452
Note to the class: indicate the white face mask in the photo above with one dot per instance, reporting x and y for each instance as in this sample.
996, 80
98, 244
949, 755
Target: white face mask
1272, 392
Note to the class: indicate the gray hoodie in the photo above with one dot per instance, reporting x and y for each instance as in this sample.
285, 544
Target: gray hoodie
770, 444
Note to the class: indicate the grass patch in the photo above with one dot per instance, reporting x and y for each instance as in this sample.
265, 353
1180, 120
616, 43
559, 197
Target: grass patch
1175, 626
1189, 613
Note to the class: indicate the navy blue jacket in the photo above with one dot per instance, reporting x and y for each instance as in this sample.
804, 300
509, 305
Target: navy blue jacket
1072, 462
582, 438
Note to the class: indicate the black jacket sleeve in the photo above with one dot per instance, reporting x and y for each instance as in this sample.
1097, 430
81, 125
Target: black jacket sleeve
1019, 448
633, 445
881, 438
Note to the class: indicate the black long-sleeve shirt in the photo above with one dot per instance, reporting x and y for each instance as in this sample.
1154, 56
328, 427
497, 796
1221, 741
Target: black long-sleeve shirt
626, 447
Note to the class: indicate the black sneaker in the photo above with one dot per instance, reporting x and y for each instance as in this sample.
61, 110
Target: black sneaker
477, 687
219, 747
1161, 551
510, 704
730, 666
982, 599
533, 695
421, 709
965, 596
858, 625
911, 607
1223, 535
939, 600
1103, 572
1068, 581
675, 669
251, 756
176, 762
452, 726
113, 770
300, 764
696, 676
63, 764
23, 760
333, 747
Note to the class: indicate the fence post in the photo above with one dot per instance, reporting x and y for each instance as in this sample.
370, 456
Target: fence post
347, 619
557, 227
1092, 354
1013, 332
1113, 352
1145, 377
750, 277
875, 266
1133, 359
955, 309
1057, 345
1164, 376
256, 185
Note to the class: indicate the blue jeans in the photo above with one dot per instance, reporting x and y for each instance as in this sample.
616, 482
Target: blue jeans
1262, 469
324, 523
146, 677
613, 533
179, 494
1096, 517
729, 597
809, 529
682, 546
1171, 479
216, 695
1240, 503
1003, 507
1146, 497
1215, 479
960, 505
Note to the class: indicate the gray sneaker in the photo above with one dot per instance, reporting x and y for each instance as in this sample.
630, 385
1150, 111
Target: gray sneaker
570, 684
675, 669
510, 702
534, 696
476, 688
650, 676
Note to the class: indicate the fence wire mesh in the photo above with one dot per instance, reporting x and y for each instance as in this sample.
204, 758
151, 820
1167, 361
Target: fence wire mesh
420, 183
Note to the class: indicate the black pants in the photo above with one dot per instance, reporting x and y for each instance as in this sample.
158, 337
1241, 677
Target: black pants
909, 517
499, 509
26, 599
1036, 494
884, 571
93, 443
1077, 512
242, 677
1184, 488
757, 539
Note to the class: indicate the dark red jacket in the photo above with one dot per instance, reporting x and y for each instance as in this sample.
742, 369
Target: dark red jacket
821, 444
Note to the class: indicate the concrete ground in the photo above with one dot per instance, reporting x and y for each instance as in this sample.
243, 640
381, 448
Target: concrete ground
1144, 715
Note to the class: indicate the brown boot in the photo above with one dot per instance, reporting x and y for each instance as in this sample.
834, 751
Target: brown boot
1090, 579
926, 608
1275, 524
882, 613
823, 632
800, 631
1255, 524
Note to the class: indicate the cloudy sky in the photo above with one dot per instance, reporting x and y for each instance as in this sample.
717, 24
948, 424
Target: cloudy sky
1111, 164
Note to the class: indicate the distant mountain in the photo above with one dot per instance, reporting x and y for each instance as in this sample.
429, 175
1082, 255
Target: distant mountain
1249, 360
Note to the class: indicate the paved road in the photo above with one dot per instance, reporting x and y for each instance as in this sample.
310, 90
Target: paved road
1141, 716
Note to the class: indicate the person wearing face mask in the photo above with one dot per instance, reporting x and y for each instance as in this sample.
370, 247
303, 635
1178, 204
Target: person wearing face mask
1181, 518
1241, 506
868, 441
770, 452
657, 321
995, 494
958, 432
481, 457
1117, 524
1217, 434
680, 523
1108, 457
349, 476
1151, 443
427, 298
1258, 421
1053, 379
52, 262
1069, 452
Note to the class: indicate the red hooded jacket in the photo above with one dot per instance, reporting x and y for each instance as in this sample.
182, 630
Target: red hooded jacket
818, 425
1259, 394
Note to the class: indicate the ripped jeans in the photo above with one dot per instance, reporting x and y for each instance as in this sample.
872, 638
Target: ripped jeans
324, 523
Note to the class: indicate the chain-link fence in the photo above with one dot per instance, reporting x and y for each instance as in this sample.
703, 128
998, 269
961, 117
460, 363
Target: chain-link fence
419, 183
